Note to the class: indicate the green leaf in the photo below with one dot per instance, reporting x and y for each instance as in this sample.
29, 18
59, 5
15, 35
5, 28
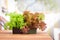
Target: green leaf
16, 20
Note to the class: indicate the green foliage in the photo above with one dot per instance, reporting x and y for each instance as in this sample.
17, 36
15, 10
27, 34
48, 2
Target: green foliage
16, 20
41, 16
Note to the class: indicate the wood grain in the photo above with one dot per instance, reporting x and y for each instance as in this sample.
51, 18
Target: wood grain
7, 35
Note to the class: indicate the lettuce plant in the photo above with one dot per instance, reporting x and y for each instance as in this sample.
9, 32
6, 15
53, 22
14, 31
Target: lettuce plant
16, 20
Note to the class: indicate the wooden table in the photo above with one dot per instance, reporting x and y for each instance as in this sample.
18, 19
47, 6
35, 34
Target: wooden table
7, 35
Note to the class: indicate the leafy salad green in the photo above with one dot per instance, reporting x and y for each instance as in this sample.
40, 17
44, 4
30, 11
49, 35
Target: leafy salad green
16, 20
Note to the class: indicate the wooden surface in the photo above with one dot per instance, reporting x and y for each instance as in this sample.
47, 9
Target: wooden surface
7, 35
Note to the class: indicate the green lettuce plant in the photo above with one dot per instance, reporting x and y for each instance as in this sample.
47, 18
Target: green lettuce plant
16, 20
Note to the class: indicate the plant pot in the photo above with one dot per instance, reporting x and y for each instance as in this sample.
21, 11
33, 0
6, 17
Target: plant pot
19, 31
32, 31
16, 30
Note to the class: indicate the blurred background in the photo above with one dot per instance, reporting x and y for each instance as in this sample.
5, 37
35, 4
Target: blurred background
50, 8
